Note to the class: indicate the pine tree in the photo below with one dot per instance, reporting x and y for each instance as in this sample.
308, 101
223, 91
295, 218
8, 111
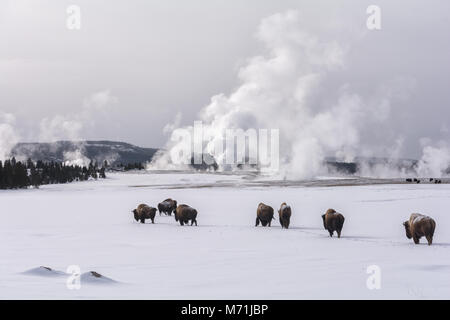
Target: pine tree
16, 174
2, 180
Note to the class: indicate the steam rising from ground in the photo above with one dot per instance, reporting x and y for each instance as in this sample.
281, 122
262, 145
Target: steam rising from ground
70, 127
285, 88
435, 160
8, 135
61, 127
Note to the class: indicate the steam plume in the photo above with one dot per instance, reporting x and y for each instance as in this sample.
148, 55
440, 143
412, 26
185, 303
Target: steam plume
8, 135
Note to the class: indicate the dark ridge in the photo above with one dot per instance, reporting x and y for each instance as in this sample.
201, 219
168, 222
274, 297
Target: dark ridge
112, 151
347, 168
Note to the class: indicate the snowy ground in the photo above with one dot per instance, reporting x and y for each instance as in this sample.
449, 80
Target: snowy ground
90, 224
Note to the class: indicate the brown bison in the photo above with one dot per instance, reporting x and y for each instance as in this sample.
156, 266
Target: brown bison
167, 207
285, 215
419, 226
184, 213
333, 221
264, 214
143, 212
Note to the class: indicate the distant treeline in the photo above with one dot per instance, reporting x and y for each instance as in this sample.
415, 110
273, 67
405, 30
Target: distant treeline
16, 174
130, 166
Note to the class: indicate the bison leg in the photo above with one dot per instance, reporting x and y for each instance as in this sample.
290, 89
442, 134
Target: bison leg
331, 233
429, 239
153, 220
416, 240
142, 220
181, 222
339, 233
281, 222
257, 222
195, 220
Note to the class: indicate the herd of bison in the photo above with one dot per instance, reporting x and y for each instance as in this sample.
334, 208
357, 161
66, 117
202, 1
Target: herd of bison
416, 227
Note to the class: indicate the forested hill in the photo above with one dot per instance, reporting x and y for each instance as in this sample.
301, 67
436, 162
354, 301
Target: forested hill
112, 151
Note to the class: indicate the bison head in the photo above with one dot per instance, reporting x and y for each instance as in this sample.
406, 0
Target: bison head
174, 206
136, 216
407, 229
324, 223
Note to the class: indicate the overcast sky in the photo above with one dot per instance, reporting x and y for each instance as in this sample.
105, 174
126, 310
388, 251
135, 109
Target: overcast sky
134, 65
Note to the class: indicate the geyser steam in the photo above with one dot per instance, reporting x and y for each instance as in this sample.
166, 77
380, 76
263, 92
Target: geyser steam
284, 89
8, 135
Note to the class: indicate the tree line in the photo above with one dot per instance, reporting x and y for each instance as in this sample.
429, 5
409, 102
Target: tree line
17, 174
131, 166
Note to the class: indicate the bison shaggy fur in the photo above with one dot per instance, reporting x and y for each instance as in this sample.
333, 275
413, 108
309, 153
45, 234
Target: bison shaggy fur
419, 226
185, 213
333, 221
264, 214
167, 207
285, 215
143, 212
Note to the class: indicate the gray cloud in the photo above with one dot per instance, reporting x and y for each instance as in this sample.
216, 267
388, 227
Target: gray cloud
161, 58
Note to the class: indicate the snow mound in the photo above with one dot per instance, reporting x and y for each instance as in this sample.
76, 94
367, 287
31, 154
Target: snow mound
43, 271
93, 277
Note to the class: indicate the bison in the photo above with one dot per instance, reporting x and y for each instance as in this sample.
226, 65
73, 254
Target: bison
285, 215
264, 214
167, 207
333, 221
419, 226
184, 213
143, 212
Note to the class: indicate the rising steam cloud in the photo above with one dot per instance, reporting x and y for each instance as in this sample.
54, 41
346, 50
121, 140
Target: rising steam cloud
287, 87
8, 135
283, 89
71, 127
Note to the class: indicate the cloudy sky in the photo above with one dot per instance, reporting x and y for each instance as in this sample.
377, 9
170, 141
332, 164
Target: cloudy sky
134, 65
